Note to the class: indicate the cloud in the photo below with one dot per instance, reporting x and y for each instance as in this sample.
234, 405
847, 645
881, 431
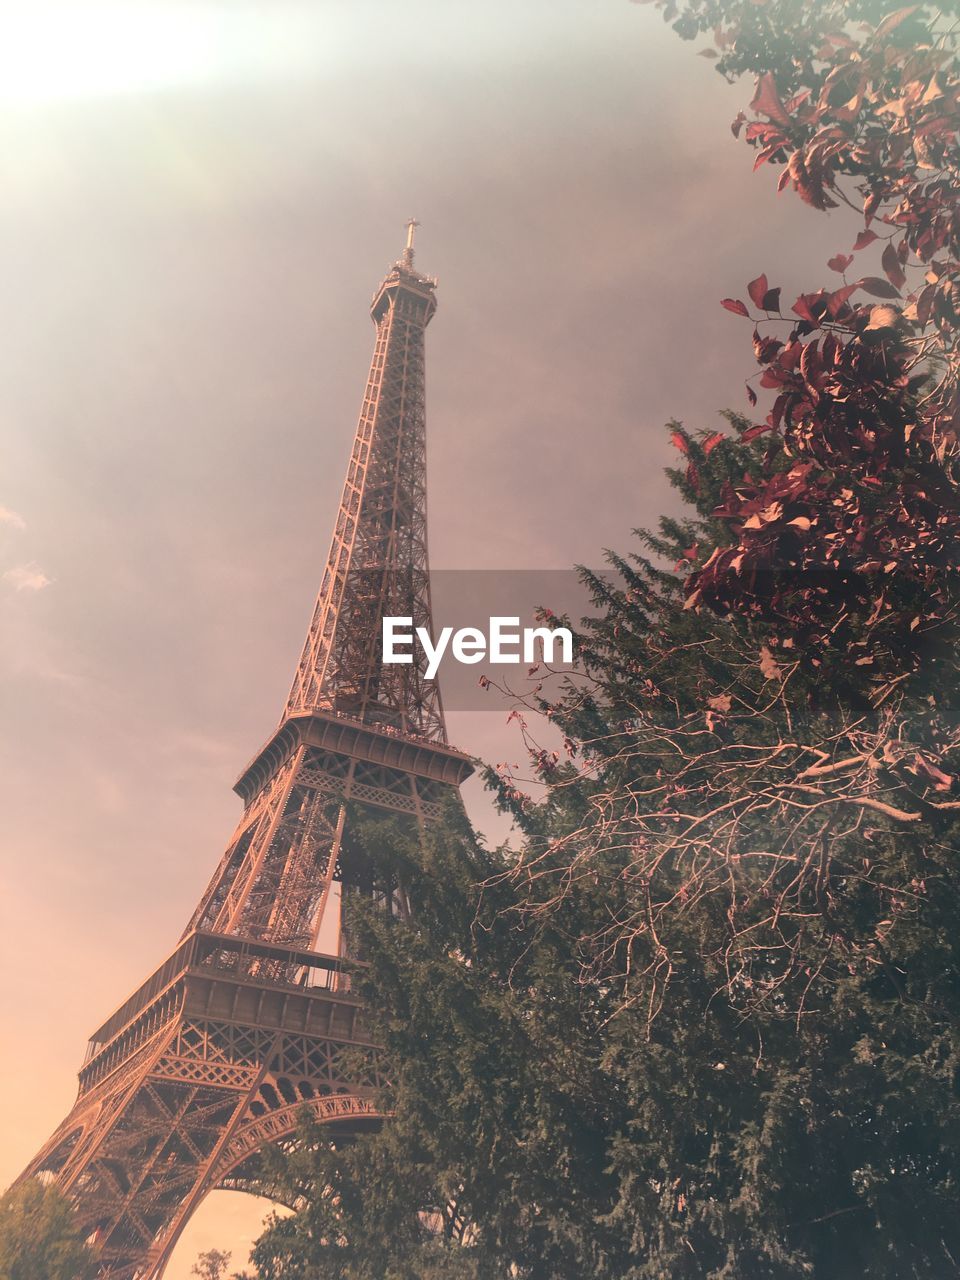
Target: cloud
27, 577
12, 518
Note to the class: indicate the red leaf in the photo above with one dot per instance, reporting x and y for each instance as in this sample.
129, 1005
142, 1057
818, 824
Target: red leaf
840, 262
809, 362
765, 349
758, 429
802, 307
883, 317
767, 102
790, 356
765, 133
767, 154
838, 298
797, 100
893, 20
892, 268
757, 290
925, 303
736, 306
711, 442
879, 288
771, 300
863, 239
751, 394
679, 442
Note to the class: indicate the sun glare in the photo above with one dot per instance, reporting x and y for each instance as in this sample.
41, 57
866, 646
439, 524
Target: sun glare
57, 50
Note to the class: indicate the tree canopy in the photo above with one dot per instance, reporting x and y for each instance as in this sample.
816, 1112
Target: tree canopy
39, 1236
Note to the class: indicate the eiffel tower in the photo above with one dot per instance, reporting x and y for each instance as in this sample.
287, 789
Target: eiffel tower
248, 1021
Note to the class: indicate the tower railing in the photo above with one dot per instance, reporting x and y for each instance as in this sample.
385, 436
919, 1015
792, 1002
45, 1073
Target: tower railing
245, 958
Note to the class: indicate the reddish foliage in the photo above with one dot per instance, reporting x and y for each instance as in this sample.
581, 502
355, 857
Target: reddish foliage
849, 542
735, 305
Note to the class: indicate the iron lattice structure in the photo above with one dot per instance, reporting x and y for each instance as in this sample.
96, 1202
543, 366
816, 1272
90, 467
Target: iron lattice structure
247, 1023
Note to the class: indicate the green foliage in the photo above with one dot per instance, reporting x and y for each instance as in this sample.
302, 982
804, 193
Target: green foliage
776, 880
39, 1236
211, 1265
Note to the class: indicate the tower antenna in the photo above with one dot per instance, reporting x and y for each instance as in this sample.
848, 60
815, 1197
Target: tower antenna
407, 258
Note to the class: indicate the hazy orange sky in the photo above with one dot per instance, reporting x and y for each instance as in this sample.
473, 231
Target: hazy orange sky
198, 200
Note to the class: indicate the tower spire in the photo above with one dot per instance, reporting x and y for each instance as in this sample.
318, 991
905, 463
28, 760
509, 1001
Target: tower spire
377, 563
407, 258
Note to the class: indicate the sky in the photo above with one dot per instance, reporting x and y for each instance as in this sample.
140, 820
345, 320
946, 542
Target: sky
197, 202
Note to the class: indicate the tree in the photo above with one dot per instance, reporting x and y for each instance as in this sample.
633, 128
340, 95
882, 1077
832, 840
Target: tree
706, 1023
39, 1236
396, 1206
211, 1265
773, 930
